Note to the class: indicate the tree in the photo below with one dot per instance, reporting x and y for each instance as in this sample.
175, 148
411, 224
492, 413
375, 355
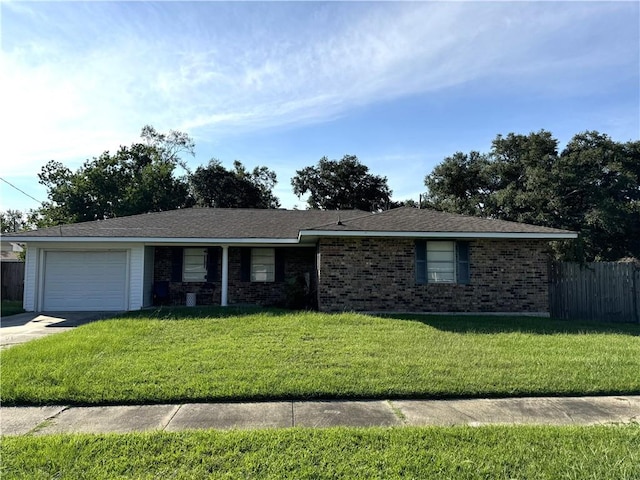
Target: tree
215, 186
170, 145
596, 184
344, 184
136, 179
459, 184
14, 221
591, 187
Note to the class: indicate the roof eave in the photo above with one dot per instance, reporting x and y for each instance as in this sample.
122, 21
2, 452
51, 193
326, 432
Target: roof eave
450, 234
157, 240
303, 235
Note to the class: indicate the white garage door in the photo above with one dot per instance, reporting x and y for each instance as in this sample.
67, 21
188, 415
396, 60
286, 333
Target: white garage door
85, 281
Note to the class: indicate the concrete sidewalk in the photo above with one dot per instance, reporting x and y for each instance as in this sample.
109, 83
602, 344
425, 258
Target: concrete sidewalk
223, 416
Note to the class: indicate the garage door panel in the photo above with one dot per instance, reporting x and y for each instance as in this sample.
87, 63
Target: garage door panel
85, 280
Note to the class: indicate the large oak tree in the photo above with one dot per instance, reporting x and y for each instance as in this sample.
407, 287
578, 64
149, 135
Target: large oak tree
215, 186
591, 187
343, 184
143, 178
136, 179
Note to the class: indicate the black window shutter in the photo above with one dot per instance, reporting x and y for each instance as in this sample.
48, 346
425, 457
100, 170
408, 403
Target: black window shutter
245, 264
279, 265
176, 264
212, 264
421, 261
463, 262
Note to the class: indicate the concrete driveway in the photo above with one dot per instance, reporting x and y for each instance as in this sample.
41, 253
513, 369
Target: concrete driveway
23, 327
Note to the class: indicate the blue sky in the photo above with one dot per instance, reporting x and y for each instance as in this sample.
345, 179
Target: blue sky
401, 85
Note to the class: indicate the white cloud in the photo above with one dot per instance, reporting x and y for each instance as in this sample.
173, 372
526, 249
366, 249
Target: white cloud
389, 52
185, 73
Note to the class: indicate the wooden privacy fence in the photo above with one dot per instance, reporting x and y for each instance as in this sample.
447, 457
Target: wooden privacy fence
607, 291
12, 275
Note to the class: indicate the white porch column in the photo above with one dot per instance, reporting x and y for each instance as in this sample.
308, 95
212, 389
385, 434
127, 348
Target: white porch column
225, 276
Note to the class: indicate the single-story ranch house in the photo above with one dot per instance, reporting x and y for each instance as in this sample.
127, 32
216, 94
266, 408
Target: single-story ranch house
400, 260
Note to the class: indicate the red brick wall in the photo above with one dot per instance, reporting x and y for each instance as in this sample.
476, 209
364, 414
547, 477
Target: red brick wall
371, 274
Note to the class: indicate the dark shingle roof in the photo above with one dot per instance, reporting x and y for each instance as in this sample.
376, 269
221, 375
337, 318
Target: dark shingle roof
201, 223
409, 219
224, 223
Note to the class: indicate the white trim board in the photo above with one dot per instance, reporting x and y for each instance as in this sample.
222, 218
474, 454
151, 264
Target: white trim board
356, 233
306, 234
160, 241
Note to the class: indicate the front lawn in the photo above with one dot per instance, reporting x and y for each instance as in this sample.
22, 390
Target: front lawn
275, 355
444, 453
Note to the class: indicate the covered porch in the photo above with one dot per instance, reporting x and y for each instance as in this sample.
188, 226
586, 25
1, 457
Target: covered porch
266, 275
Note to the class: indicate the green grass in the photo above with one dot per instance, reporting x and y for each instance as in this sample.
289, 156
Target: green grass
413, 453
10, 307
275, 355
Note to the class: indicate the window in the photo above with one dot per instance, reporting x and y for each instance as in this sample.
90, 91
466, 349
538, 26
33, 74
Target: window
263, 265
194, 265
441, 262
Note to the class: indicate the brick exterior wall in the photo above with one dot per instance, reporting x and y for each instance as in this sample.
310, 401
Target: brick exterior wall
370, 274
373, 274
297, 262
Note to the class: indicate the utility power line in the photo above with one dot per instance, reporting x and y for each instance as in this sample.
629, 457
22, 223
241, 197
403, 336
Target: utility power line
21, 191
